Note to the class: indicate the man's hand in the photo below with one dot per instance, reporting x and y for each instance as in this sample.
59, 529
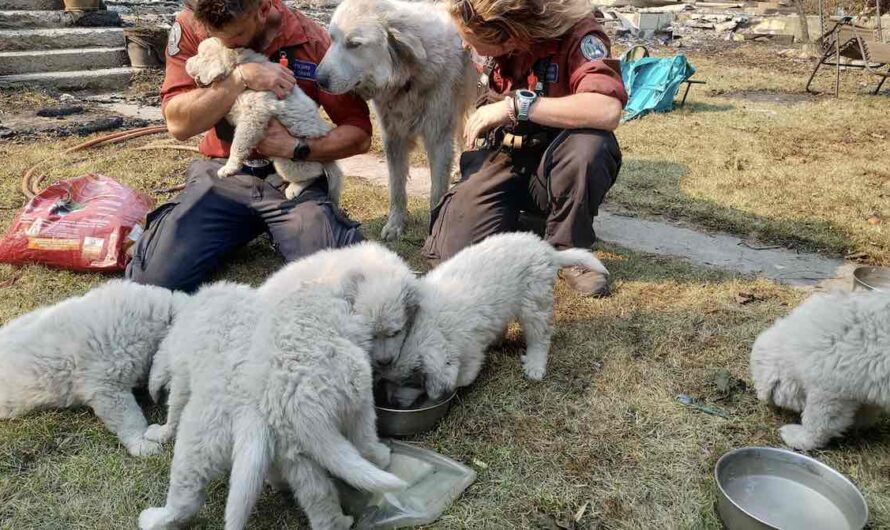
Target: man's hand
268, 77
278, 142
485, 119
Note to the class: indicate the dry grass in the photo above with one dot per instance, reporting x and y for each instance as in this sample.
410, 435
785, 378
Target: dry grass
803, 171
603, 431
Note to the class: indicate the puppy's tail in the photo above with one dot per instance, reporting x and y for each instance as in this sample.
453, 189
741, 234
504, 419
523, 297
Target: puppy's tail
334, 452
579, 256
251, 457
335, 181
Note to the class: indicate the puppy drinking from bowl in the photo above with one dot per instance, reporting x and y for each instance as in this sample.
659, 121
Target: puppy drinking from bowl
467, 302
829, 359
271, 383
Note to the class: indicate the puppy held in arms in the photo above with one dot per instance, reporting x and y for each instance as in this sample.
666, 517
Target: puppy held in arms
829, 359
252, 112
90, 350
468, 301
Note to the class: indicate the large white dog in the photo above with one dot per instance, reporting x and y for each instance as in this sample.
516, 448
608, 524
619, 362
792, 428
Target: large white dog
90, 350
407, 58
467, 302
264, 383
251, 114
828, 359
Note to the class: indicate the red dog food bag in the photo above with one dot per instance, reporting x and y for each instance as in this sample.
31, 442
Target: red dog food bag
81, 224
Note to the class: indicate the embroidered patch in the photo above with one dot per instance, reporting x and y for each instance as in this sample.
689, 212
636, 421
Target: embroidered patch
552, 73
304, 69
593, 49
173, 39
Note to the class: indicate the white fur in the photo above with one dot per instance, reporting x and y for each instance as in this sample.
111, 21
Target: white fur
467, 302
270, 380
385, 305
252, 112
828, 359
407, 58
89, 350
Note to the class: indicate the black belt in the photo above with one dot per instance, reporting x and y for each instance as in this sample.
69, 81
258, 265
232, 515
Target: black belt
258, 167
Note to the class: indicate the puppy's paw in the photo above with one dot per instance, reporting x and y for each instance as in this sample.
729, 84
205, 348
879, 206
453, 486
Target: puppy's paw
159, 433
380, 455
796, 436
392, 230
227, 170
154, 519
533, 370
143, 447
293, 191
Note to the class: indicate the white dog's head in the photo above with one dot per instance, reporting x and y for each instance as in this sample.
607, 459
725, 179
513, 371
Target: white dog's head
372, 45
214, 61
774, 381
386, 303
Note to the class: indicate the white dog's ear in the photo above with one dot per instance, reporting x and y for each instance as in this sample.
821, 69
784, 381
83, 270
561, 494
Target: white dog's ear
351, 286
406, 44
411, 299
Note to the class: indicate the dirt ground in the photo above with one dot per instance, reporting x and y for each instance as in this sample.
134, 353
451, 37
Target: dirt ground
602, 442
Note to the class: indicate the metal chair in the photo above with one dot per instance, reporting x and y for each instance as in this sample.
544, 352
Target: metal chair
851, 39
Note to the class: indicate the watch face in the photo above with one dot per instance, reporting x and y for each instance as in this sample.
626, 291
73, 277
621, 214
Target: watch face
526, 94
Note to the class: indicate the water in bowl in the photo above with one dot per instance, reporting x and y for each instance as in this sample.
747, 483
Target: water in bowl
785, 503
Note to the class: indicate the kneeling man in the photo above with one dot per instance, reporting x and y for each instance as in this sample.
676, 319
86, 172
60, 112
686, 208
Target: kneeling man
186, 238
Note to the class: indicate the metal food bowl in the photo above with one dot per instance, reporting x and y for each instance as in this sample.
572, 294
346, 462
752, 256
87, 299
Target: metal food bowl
872, 279
415, 420
769, 488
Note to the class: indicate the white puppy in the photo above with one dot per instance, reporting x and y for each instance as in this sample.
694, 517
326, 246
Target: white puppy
386, 305
408, 59
467, 302
251, 114
90, 350
269, 383
828, 359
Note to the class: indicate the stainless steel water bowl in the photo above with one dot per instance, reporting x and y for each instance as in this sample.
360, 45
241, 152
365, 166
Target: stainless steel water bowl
872, 279
407, 422
769, 488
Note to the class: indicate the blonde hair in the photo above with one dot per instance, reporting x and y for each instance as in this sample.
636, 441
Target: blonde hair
528, 21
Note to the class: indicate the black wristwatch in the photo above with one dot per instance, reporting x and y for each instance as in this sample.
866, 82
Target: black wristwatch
301, 150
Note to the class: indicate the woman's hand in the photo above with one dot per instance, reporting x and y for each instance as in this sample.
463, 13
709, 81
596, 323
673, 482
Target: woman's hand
485, 119
267, 77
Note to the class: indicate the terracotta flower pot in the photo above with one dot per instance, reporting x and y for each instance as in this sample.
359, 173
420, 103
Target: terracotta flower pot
82, 5
145, 46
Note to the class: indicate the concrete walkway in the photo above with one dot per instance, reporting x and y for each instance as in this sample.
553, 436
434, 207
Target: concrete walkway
718, 250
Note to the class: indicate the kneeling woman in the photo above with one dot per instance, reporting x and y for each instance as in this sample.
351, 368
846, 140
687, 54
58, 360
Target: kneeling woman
540, 140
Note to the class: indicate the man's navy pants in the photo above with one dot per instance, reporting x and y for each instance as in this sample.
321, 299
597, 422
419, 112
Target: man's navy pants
186, 238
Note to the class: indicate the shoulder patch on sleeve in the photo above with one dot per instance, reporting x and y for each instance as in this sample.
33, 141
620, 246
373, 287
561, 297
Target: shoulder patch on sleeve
173, 39
593, 49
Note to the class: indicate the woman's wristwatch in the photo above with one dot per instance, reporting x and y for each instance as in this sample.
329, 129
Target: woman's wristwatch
524, 101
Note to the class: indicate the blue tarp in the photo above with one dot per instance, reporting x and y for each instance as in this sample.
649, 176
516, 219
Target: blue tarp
652, 83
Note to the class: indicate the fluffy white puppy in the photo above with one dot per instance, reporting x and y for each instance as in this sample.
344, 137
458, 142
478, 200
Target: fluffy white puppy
467, 302
828, 359
251, 114
269, 383
386, 305
89, 350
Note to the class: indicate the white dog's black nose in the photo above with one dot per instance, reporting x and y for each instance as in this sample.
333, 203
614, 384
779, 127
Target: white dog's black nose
323, 79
